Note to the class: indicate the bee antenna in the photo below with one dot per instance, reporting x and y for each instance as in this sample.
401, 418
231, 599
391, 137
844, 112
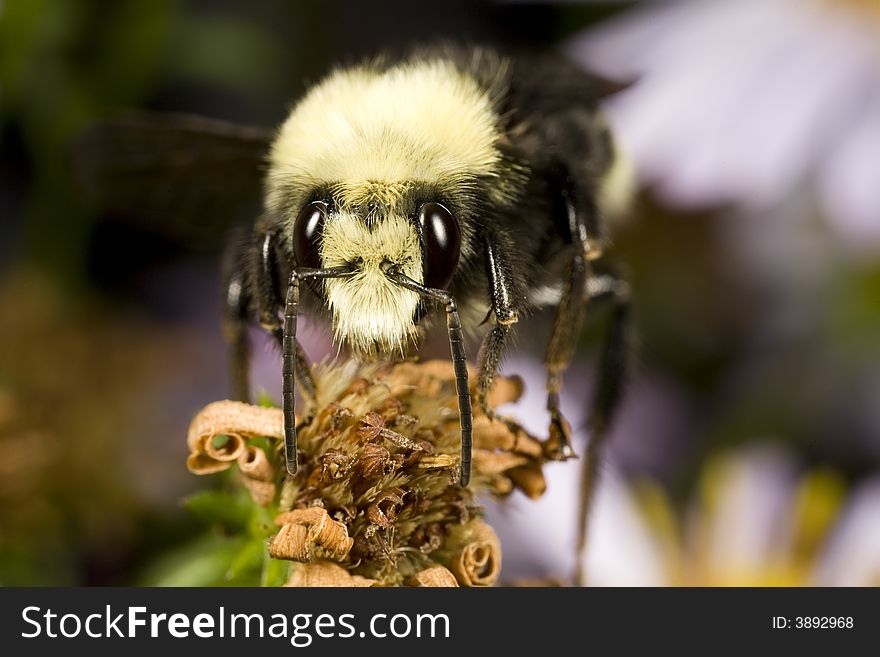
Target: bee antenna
459, 360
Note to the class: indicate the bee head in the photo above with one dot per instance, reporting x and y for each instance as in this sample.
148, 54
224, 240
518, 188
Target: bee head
371, 313
387, 164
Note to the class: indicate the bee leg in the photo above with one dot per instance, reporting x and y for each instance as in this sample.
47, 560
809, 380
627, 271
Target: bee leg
501, 292
236, 317
612, 373
560, 350
270, 304
459, 362
294, 367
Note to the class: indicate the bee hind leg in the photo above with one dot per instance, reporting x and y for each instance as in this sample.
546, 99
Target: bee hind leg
612, 374
236, 317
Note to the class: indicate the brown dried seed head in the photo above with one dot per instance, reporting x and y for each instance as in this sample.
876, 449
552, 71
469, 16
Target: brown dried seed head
373, 461
346, 451
383, 511
332, 417
335, 464
371, 426
428, 538
358, 386
390, 409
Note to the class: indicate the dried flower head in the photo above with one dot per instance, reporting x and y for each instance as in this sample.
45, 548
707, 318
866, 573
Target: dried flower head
376, 500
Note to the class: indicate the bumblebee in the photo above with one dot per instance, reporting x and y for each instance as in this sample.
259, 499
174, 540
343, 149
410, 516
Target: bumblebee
453, 180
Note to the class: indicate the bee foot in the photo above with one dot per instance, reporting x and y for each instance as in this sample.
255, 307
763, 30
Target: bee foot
558, 444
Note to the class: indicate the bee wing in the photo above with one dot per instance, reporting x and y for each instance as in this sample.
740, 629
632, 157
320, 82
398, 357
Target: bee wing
182, 176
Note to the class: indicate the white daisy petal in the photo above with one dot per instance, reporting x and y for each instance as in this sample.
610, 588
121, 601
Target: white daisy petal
746, 101
852, 556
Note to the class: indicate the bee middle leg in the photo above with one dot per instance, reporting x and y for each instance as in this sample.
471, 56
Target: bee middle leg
502, 293
586, 289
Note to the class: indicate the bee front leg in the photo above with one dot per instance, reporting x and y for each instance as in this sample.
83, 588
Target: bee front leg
293, 361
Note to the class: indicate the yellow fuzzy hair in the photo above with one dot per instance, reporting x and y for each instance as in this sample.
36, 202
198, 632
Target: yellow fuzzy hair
418, 121
617, 188
369, 311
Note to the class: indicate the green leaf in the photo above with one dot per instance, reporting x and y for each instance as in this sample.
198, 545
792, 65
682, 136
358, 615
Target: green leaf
265, 444
264, 399
213, 507
261, 521
203, 562
276, 572
246, 568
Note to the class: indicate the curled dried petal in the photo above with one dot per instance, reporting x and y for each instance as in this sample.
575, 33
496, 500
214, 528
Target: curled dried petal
304, 529
231, 417
224, 447
254, 464
262, 492
499, 485
436, 576
291, 542
437, 368
201, 464
326, 574
529, 479
437, 461
505, 390
489, 463
495, 434
479, 562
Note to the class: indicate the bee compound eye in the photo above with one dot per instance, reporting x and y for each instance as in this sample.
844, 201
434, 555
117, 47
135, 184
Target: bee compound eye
307, 233
442, 239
